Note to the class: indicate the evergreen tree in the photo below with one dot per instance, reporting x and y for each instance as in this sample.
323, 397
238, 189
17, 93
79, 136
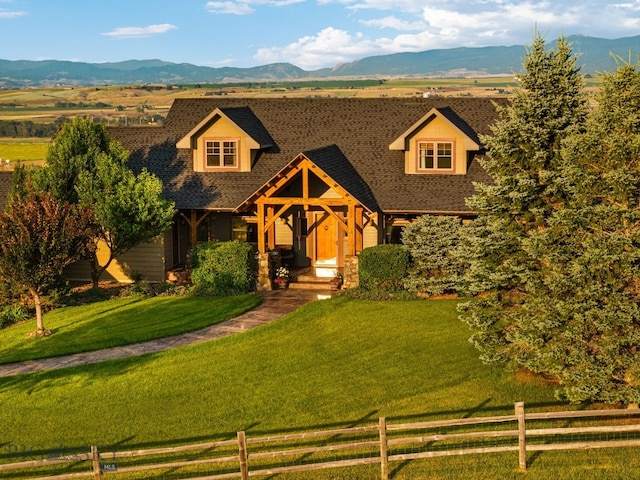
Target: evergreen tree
431, 242
524, 162
582, 318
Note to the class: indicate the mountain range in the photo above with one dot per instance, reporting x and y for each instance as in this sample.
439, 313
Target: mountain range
595, 55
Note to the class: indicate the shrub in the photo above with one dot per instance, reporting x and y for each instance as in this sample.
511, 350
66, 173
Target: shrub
148, 289
12, 314
383, 268
432, 242
223, 268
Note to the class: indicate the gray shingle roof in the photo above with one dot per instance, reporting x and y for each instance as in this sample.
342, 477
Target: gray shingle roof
349, 137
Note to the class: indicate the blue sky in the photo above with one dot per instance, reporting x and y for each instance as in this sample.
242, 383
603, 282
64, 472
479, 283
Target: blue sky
311, 34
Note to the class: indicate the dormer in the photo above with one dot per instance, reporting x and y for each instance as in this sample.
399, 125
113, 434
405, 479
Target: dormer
439, 143
227, 140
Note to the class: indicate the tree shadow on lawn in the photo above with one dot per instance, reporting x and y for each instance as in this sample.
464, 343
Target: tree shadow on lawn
75, 376
69, 335
482, 407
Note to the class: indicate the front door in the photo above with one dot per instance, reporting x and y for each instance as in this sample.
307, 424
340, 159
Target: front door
326, 241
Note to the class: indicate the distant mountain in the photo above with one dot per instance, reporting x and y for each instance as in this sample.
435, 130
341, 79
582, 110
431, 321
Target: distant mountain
595, 56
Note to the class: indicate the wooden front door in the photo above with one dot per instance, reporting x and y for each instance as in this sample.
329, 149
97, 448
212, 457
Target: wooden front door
326, 240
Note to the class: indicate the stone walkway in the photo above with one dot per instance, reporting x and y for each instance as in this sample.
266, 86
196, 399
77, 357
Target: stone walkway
275, 304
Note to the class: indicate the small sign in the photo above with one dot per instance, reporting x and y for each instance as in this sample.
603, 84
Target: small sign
109, 467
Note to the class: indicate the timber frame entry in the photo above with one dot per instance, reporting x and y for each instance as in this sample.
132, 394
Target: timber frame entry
350, 214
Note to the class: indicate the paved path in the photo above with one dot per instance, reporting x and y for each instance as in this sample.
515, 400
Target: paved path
274, 305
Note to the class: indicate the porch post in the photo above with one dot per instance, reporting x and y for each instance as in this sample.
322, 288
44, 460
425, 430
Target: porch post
359, 229
261, 232
271, 232
193, 224
351, 225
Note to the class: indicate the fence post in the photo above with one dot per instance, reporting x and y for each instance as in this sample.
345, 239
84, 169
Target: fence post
384, 449
522, 436
95, 462
242, 455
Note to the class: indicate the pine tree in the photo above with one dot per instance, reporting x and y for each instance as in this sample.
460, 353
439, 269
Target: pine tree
582, 317
524, 161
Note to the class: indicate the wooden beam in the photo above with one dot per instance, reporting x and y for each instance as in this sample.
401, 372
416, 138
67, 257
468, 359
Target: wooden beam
340, 220
351, 231
261, 230
359, 228
271, 231
277, 215
305, 182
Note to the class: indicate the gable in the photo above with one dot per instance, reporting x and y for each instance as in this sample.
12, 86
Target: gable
226, 140
323, 173
438, 143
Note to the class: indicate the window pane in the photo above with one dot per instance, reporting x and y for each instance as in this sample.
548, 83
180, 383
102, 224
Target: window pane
229, 154
213, 154
426, 155
445, 159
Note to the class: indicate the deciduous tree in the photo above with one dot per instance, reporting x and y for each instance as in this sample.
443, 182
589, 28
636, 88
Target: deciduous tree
86, 167
40, 236
127, 209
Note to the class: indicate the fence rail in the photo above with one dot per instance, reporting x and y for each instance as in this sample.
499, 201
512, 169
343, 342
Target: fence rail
375, 444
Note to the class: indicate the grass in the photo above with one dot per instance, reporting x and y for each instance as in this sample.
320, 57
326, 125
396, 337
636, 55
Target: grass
118, 321
338, 362
25, 150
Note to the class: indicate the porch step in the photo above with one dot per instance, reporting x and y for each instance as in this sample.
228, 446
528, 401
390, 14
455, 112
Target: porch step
309, 282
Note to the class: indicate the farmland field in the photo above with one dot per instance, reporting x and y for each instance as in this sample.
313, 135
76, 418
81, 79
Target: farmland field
22, 150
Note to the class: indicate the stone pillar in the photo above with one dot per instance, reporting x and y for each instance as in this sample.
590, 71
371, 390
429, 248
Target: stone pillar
350, 273
264, 271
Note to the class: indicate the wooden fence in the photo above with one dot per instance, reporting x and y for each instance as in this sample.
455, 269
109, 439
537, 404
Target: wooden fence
381, 444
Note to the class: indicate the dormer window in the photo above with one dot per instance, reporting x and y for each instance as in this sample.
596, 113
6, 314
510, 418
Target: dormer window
220, 153
227, 140
439, 143
435, 155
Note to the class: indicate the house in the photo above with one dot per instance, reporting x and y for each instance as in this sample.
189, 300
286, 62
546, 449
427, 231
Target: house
315, 179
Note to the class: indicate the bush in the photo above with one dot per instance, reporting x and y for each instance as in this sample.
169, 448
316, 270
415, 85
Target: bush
223, 268
12, 314
383, 268
148, 289
432, 242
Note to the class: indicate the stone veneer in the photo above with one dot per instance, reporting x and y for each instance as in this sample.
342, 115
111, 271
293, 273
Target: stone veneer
264, 272
350, 272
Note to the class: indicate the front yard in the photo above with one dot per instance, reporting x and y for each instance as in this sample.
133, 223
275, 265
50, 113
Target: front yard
338, 362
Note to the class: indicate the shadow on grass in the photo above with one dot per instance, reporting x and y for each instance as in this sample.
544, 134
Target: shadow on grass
89, 375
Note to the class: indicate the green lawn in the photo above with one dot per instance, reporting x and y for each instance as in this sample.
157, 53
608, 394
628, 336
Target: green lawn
338, 362
118, 321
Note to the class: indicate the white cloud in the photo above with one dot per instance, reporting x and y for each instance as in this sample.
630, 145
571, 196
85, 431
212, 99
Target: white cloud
11, 14
433, 24
327, 48
234, 8
395, 23
140, 32
244, 7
